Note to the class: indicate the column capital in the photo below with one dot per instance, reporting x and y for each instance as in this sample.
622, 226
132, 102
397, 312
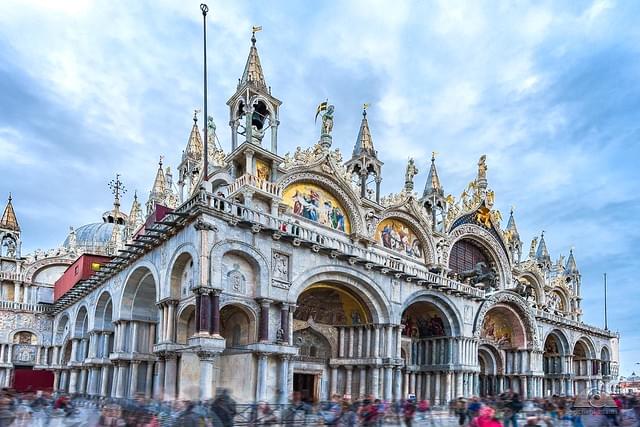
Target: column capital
208, 355
265, 301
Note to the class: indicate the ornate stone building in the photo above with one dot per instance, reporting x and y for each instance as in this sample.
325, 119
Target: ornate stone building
267, 274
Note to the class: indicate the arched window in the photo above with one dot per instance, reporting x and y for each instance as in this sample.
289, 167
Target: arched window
465, 255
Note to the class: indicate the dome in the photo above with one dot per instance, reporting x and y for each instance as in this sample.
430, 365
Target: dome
94, 238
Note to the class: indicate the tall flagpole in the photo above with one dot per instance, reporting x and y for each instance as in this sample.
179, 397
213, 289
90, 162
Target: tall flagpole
205, 175
606, 326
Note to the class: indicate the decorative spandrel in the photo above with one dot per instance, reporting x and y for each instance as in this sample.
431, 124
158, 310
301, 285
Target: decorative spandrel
314, 203
396, 235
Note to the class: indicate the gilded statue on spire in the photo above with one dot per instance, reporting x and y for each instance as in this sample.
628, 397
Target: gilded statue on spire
482, 167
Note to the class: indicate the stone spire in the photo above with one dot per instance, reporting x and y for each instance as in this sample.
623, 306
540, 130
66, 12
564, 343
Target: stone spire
513, 238
135, 219
433, 186
571, 267
364, 162
253, 110
542, 254
158, 191
253, 74
364, 143
9, 220
511, 226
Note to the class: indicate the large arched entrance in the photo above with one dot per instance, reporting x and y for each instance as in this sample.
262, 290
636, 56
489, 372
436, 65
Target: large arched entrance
332, 321
504, 339
102, 371
135, 334
554, 364
583, 366
491, 369
429, 348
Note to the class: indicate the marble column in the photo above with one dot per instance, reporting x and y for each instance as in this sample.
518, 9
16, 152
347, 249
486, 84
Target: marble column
447, 386
122, 378
158, 382
334, 382
133, 384
105, 381
284, 378
376, 341
261, 388
375, 382
265, 304
207, 375
388, 379
56, 380
170, 375
83, 381
348, 380
148, 385
397, 389
437, 399
363, 382
73, 381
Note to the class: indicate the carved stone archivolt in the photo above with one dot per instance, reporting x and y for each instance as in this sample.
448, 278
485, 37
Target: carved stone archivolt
487, 240
428, 245
523, 309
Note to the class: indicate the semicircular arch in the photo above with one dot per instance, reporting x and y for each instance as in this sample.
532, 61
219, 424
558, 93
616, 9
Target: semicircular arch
454, 319
344, 196
177, 265
361, 285
519, 305
250, 254
488, 242
415, 225
561, 338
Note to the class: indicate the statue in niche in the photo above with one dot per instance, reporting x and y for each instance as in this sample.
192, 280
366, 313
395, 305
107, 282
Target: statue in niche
10, 244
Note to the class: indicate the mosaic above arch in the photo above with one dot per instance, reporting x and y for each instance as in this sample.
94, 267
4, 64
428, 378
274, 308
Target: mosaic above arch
314, 203
396, 235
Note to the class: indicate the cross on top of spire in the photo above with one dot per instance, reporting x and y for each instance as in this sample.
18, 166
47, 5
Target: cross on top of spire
117, 188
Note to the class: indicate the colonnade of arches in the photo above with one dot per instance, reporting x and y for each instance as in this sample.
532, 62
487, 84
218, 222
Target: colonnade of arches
347, 342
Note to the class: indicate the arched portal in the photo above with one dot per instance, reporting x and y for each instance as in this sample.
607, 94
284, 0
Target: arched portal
103, 334
428, 343
491, 367
554, 363
584, 365
333, 321
136, 333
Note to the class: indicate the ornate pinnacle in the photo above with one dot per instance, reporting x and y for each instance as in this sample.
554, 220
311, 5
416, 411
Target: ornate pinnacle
117, 188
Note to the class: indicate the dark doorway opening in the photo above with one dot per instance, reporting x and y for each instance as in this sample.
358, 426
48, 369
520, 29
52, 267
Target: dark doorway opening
26, 379
306, 384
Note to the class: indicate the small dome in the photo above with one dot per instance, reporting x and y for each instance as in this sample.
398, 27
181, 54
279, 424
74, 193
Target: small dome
94, 238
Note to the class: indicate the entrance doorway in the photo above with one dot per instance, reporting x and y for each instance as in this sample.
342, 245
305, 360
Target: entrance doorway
307, 385
25, 378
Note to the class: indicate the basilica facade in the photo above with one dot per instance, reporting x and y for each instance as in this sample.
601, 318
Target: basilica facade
268, 274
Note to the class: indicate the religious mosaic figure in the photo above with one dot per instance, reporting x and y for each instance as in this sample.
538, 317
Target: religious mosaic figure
397, 236
311, 205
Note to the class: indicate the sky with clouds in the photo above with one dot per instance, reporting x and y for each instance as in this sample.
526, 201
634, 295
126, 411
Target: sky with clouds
548, 91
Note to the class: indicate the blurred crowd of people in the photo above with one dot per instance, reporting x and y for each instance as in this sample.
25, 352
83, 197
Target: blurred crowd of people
505, 410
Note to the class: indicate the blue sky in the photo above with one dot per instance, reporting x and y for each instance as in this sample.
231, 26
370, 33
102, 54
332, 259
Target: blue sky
548, 91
